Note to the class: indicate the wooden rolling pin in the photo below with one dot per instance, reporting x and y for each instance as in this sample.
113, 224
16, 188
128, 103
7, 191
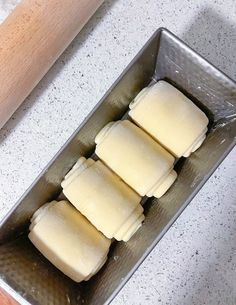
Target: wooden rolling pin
31, 39
6, 299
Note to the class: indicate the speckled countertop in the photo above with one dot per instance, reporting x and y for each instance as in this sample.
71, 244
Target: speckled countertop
195, 262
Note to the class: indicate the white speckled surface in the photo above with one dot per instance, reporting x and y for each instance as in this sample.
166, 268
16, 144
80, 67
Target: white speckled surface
195, 262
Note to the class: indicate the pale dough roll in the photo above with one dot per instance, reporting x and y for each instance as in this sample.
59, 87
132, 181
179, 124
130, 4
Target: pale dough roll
170, 117
102, 197
68, 240
138, 159
39, 214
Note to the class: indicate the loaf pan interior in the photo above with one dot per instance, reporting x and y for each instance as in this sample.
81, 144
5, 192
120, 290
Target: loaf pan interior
163, 57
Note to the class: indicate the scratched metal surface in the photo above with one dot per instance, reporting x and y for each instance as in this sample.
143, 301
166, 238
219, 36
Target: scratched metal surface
163, 57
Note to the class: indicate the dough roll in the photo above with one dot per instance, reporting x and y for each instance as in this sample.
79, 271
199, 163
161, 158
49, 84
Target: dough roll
170, 118
101, 196
68, 240
138, 159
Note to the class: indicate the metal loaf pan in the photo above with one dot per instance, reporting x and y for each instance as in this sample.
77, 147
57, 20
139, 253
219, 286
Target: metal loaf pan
164, 56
